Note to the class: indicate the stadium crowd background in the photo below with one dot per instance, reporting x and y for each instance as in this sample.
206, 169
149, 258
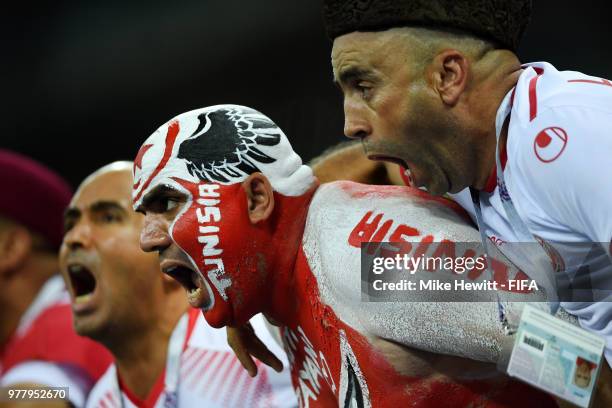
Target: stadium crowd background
84, 82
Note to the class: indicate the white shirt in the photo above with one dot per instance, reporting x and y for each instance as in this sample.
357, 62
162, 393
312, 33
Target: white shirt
558, 175
210, 375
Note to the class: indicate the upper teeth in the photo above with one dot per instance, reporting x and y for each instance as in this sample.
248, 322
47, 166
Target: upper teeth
194, 294
408, 174
75, 268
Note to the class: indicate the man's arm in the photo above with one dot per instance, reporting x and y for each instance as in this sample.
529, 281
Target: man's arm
561, 165
347, 161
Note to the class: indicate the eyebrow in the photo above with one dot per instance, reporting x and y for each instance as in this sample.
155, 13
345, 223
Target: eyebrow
351, 74
74, 213
103, 205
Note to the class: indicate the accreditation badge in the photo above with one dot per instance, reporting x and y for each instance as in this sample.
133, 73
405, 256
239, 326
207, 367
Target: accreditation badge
556, 356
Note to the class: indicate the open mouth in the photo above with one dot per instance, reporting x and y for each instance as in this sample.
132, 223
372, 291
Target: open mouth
409, 178
83, 282
192, 281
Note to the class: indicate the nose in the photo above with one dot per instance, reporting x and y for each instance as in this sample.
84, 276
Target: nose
79, 236
356, 123
154, 235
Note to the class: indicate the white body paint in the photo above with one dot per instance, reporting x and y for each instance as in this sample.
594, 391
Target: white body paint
470, 330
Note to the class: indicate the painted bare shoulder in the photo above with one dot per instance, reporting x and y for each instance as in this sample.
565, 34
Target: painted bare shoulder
388, 213
343, 215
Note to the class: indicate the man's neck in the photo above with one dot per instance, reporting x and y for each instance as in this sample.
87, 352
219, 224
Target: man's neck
141, 360
500, 73
287, 242
141, 357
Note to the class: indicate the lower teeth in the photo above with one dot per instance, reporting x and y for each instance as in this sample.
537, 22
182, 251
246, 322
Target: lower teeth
82, 298
194, 294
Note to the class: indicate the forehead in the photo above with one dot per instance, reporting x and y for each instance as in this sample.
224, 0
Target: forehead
109, 186
366, 49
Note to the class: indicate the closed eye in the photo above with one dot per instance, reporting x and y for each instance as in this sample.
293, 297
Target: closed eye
357, 79
109, 217
107, 212
364, 88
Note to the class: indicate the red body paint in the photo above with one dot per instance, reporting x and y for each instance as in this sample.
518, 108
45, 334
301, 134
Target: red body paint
312, 338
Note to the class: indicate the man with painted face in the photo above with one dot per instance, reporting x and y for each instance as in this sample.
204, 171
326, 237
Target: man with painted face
165, 355
436, 87
242, 224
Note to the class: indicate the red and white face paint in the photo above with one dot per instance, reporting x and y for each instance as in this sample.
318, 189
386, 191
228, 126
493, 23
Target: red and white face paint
206, 154
226, 248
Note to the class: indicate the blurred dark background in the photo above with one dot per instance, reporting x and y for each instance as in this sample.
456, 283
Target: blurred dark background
85, 82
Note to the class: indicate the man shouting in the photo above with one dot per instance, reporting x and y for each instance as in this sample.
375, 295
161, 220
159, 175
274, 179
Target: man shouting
242, 224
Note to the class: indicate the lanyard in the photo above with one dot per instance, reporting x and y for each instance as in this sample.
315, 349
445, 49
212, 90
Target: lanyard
485, 242
173, 364
532, 257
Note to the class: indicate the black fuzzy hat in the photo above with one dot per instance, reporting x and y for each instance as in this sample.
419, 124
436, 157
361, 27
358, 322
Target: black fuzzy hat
502, 21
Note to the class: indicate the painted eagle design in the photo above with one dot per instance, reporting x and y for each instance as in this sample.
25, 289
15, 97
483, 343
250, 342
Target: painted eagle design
225, 144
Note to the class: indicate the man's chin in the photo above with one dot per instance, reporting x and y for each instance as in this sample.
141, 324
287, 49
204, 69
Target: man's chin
436, 190
218, 316
90, 326
440, 185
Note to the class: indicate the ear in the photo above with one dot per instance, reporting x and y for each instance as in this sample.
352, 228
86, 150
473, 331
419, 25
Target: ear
450, 75
260, 197
15, 248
